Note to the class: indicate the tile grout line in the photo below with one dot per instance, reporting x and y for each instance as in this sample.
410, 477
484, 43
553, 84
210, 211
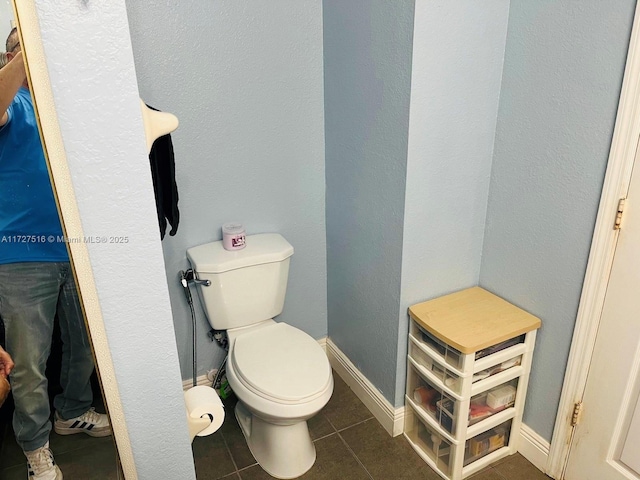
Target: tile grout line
355, 424
337, 432
499, 473
355, 456
233, 460
349, 426
248, 467
324, 436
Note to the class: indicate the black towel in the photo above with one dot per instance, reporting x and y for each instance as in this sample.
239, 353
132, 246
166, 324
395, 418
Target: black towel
163, 172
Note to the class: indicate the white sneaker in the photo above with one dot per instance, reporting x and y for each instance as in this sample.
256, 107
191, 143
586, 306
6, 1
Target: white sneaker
90, 422
41, 465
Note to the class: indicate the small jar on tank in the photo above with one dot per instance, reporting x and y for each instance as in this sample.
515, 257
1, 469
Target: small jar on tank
233, 236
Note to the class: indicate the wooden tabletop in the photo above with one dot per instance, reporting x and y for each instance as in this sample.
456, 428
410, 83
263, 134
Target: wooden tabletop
472, 319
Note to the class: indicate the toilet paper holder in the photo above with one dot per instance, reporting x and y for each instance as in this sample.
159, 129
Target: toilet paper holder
197, 425
204, 410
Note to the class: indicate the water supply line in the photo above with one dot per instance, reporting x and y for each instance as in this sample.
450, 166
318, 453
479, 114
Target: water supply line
218, 336
185, 278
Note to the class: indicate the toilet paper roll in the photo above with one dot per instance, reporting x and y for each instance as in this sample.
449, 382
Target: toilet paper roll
203, 402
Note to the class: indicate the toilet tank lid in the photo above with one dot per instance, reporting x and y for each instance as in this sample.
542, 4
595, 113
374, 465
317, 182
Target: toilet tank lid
261, 248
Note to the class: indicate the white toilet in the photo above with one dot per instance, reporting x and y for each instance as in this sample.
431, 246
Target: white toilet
280, 375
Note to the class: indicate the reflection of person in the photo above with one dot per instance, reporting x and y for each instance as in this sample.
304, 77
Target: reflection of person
6, 365
37, 284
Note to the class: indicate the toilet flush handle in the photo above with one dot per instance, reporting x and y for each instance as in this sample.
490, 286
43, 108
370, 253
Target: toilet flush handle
190, 276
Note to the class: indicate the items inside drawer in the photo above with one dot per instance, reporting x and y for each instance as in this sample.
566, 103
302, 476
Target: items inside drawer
443, 374
499, 346
450, 378
436, 447
501, 367
442, 407
452, 356
487, 442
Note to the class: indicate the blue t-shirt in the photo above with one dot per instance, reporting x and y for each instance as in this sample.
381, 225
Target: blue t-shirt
30, 228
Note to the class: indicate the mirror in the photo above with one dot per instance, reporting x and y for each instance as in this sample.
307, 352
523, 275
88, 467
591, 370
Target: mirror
67, 387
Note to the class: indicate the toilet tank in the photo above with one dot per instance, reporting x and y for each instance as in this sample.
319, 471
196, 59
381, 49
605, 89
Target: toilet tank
248, 285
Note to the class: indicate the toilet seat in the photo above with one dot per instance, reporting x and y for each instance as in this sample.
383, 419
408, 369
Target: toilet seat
281, 363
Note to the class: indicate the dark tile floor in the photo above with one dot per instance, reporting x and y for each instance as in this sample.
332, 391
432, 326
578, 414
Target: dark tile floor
350, 444
79, 457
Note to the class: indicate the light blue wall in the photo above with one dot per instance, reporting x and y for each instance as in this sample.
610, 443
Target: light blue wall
96, 98
550, 110
457, 68
563, 69
251, 148
245, 80
367, 63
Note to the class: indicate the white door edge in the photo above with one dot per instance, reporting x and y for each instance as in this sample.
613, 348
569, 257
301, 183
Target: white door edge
616, 184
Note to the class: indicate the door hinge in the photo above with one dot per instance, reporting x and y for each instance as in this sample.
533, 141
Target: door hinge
577, 411
619, 213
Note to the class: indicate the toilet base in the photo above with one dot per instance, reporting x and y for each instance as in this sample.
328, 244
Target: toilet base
283, 451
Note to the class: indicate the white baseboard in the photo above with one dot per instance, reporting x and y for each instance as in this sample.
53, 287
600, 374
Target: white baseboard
391, 418
201, 380
534, 448
531, 445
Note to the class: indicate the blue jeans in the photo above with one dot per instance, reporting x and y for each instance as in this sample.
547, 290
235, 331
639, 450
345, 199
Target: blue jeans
31, 294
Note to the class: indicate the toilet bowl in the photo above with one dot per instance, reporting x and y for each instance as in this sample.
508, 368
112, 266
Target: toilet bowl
282, 377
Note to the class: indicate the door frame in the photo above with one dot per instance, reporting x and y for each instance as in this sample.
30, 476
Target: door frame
616, 185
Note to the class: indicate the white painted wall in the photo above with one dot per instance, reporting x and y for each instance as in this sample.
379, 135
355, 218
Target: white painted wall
90, 62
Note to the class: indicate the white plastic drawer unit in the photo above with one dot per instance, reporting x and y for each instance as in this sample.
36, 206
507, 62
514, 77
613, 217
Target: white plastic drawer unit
441, 404
468, 363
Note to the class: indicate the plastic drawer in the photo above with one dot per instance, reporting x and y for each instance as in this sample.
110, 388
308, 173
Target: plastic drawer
499, 347
442, 405
428, 442
445, 375
501, 398
450, 377
431, 345
497, 367
487, 442
430, 399
448, 354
